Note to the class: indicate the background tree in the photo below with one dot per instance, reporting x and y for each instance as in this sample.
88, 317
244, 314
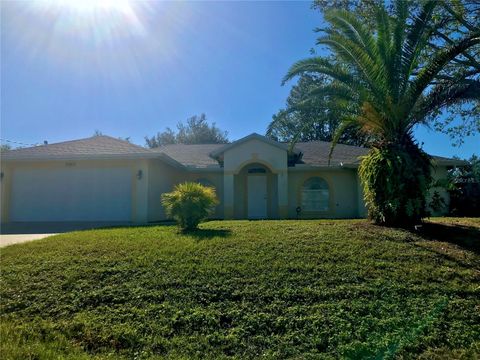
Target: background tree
5, 147
464, 186
452, 19
308, 118
195, 131
386, 85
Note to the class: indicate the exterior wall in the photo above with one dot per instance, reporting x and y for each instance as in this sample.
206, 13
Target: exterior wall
346, 198
440, 173
5, 184
138, 186
241, 195
236, 159
343, 191
216, 179
163, 178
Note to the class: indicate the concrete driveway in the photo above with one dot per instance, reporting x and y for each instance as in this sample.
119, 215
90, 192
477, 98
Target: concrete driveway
19, 232
20, 238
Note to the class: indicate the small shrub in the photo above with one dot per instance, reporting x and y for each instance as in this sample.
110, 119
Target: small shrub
189, 203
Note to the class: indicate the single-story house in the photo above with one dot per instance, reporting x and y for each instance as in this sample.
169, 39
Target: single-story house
106, 179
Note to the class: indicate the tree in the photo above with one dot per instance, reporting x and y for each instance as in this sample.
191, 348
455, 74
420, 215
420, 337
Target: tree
385, 86
464, 186
5, 147
195, 131
453, 19
469, 173
307, 118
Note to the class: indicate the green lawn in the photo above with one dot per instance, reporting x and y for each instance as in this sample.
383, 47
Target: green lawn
239, 289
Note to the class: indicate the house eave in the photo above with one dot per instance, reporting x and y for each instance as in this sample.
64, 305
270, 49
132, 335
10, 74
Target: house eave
74, 157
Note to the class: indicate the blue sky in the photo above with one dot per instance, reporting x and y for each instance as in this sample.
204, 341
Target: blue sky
134, 70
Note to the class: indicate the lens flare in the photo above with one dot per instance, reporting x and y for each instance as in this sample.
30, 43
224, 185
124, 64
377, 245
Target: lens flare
115, 39
103, 21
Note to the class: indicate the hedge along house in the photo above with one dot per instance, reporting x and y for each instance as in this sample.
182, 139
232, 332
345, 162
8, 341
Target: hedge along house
103, 179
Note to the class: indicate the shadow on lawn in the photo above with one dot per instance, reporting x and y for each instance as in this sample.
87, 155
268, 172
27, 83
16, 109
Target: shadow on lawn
203, 234
466, 237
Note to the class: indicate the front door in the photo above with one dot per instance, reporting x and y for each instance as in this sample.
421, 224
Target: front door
257, 196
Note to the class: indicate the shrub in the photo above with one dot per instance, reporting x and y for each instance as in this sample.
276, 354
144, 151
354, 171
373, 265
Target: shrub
189, 203
396, 180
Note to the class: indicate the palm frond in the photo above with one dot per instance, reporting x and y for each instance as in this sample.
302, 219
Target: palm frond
353, 29
415, 41
435, 65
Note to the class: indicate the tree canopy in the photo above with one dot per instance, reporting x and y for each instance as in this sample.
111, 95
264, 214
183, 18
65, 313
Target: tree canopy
450, 20
308, 118
384, 77
195, 131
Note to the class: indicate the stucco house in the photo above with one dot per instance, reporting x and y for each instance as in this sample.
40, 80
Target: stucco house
106, 179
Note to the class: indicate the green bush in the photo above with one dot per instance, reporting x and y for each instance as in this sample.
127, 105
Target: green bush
396, 180
189, 203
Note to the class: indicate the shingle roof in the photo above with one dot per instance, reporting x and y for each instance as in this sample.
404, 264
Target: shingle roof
93, 146
315, 153
191, 155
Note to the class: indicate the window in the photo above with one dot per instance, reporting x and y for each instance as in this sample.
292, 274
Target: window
315, 195
205, 182
257, 171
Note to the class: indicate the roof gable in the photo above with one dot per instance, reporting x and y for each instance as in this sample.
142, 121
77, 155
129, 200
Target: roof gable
254, 136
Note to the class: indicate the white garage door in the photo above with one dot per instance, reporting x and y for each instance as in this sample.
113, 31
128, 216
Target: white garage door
71, 194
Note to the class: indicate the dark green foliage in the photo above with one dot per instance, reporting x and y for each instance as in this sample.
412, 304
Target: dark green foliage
453, 19
437, 202
189, 203
195, 131
464, 186
396, 181
384, 85
243, 290
5, 147
307, 118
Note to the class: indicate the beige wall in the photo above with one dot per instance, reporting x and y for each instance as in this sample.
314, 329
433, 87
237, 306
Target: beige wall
139, 200
5, 191
241, 188
236, 161
342, 187
158, 177
439, 173
164, 177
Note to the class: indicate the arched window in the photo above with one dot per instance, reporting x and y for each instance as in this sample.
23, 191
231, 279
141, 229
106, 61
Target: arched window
205, 182
315, 195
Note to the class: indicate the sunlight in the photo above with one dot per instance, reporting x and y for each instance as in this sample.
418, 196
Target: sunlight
102, 20
114, 39
88, 6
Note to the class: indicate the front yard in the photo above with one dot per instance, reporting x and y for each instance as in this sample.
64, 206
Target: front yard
269, 289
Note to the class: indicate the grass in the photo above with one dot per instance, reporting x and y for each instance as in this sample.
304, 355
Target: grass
239, 289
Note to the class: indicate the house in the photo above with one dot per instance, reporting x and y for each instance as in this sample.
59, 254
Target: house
106, 179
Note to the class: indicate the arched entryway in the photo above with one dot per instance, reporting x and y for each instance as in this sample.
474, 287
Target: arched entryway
256, 192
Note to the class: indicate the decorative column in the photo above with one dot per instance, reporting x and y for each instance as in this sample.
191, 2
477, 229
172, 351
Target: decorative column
228, 195
282, 183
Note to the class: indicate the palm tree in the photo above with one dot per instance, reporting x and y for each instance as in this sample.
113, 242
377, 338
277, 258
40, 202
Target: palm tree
385, 86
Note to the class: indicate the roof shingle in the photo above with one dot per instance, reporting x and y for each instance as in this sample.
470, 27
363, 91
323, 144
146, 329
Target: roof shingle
315, 153
95, 146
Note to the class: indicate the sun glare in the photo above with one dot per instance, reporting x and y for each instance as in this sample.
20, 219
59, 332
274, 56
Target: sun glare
92, 6
115, 39
100, 20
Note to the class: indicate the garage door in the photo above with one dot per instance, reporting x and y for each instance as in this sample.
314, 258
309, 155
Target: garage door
71, 194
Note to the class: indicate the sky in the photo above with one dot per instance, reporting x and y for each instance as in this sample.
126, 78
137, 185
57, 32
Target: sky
131, 69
